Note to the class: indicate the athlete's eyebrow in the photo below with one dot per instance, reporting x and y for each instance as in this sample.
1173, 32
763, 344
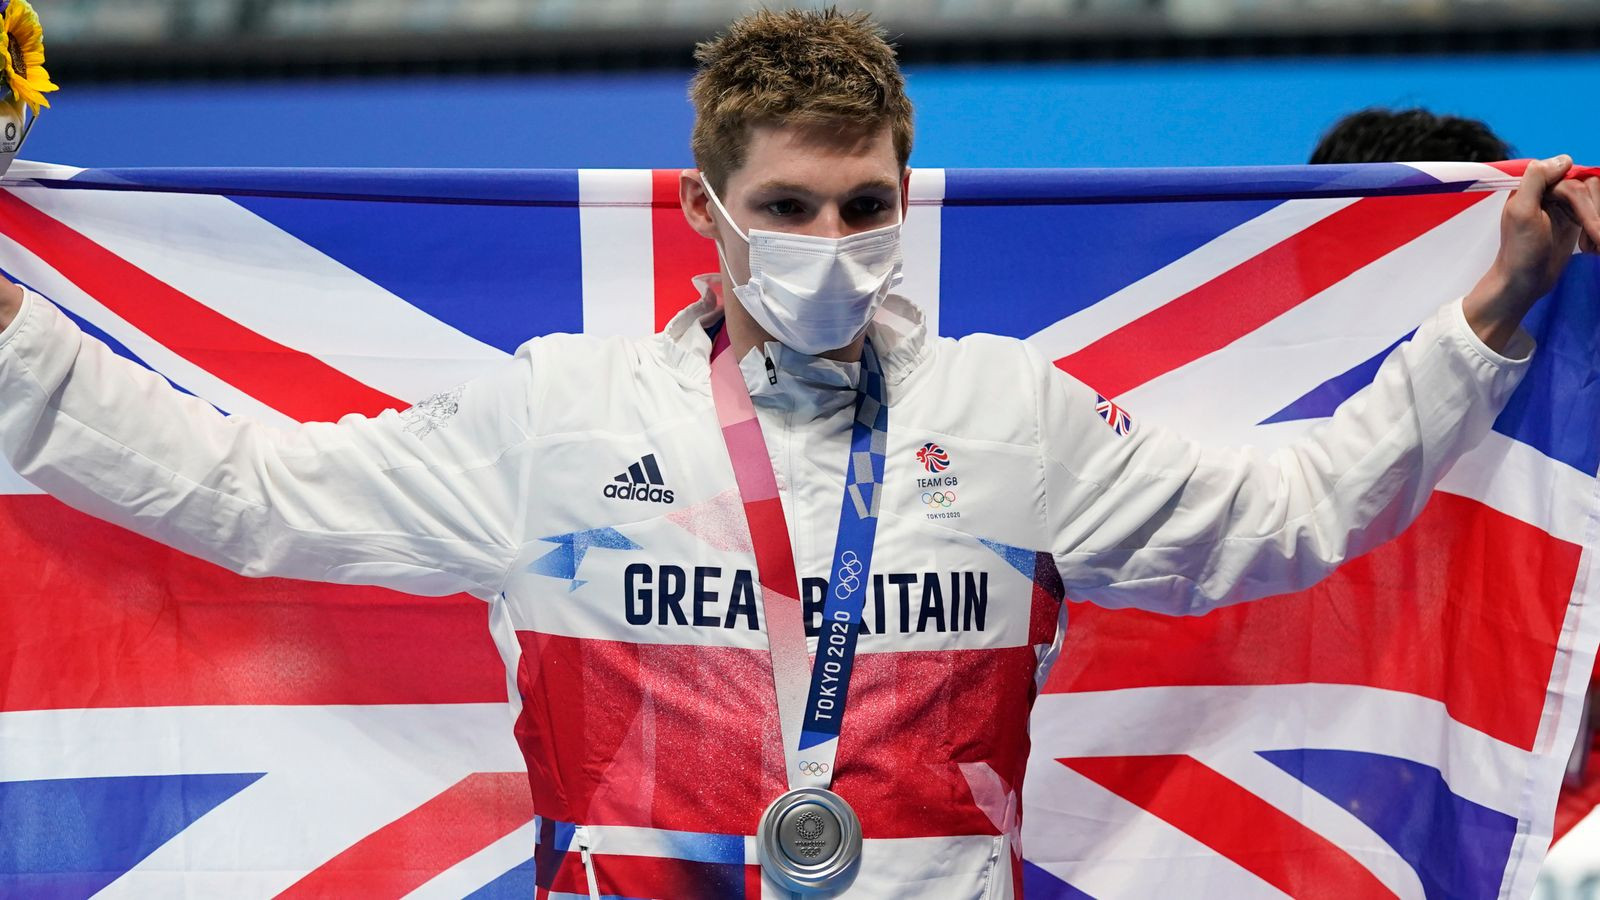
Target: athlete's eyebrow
789, 187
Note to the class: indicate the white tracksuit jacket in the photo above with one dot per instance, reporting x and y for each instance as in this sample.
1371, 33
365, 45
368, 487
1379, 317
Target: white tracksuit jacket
629, 624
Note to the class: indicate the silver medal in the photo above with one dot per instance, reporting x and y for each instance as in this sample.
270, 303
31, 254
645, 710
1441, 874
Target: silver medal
809, 840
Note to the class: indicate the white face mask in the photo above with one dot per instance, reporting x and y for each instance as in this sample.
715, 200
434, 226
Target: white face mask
815, 294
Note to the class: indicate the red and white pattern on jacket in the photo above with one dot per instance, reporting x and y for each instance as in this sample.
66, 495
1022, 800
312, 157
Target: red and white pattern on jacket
686, 738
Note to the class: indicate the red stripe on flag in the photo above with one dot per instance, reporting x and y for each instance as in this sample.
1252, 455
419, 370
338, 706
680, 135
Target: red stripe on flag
1217, 812
404, 854
1255, 292
1465, 608
1512, 166
1519, 167
680, 254
297, 384
96, 616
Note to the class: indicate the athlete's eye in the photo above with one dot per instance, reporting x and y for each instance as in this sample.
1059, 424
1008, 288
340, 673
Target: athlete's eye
783, 208
868, 206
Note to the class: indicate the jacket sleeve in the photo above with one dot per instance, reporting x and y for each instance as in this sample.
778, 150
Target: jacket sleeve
420, 501
1154, 521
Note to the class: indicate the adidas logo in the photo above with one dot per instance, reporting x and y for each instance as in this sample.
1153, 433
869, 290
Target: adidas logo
642, 482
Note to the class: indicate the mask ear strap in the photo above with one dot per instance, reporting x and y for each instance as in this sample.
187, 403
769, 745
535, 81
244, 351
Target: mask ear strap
722, 258
706, 184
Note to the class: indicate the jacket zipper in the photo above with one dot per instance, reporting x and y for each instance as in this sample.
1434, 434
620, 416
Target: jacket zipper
580, 836
783, 451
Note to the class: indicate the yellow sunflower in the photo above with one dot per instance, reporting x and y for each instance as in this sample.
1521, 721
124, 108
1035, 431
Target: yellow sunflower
23, 59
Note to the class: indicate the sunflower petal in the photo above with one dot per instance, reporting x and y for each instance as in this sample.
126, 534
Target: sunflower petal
22, 45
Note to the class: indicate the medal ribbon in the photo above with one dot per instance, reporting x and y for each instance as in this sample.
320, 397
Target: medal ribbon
809, 719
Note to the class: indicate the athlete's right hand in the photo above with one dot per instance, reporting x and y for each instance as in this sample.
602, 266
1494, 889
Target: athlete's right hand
10, 302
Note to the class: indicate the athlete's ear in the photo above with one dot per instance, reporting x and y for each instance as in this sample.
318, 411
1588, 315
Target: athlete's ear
905, 193
696, 203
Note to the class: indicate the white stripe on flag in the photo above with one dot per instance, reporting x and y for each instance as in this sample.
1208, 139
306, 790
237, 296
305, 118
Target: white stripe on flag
30, 269
480, 868
1516, 479
330, 771
23, 171
614, 220
920, 241
1106, 846
1503, 474
1271, 367
1483, 176
1272, 784
274, 284
288, 823
1140, 721
1219, 255
101, 743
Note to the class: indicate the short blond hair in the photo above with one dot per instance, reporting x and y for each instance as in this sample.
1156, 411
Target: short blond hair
808, 67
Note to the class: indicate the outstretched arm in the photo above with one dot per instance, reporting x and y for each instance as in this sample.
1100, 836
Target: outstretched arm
419, 504
1156, 521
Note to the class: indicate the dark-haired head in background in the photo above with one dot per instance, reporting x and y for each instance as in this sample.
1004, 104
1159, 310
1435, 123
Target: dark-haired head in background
1408, 135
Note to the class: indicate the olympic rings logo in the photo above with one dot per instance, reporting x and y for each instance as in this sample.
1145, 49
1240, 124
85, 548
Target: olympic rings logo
808, 767
939, 499
847, 579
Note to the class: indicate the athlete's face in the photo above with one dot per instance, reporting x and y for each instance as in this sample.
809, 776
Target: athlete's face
802, 179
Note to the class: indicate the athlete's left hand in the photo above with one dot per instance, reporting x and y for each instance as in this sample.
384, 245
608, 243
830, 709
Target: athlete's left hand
1546, 217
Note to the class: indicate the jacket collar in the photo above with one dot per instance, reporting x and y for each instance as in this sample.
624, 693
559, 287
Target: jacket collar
811, 383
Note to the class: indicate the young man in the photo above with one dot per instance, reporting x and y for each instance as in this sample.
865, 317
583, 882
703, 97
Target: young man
802, 470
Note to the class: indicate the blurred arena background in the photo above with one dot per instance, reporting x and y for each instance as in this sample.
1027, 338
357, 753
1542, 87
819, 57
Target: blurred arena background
566, 83
601, 82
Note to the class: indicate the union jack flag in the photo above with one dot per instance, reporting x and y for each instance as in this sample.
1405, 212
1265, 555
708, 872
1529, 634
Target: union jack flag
168, 728
1115, 416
